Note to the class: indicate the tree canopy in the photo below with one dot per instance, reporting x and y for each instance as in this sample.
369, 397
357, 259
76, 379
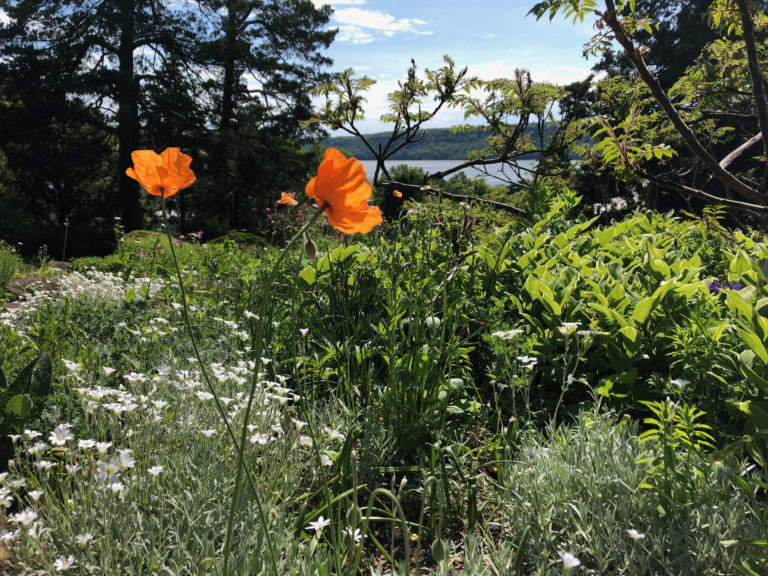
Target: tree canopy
85, 83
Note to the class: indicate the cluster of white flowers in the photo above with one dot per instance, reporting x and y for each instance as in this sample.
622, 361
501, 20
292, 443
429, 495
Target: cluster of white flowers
567, 328
235, 329
107, 288
134, 400
506, 334
101, 288
615, 204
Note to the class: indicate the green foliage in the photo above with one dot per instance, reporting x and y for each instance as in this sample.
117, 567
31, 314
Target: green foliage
18, 399
676, 458
10, 264
438, 377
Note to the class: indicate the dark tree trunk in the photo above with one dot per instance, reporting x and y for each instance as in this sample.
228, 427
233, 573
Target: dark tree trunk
227, 112
127, 119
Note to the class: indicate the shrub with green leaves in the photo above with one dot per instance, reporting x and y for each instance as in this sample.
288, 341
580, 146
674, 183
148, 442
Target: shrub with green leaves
10, 264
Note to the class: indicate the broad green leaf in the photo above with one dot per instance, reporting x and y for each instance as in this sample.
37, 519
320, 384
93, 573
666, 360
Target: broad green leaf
629, 332
19, 406
22, 381
341, 253
758, 417
643, 309
754, 378
609, 313
755, 344
129, 296
660, 267
309, 275
741, 263
40, 379
736, 303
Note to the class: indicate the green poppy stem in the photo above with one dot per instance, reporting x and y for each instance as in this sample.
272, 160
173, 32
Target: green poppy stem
252, 391
217, 401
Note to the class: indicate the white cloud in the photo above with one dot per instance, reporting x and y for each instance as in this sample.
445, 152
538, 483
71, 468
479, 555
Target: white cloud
361, 26
334, 3
560, 75
4, 18
556, 74
353, 34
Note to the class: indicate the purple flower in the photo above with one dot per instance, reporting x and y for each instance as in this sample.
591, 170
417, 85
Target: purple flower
720, 286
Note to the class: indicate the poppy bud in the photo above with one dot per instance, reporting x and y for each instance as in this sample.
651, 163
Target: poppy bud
309, 247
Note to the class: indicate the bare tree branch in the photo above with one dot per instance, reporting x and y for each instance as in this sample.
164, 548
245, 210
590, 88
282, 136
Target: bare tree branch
754, 194
761, 105
460, 197
728, 160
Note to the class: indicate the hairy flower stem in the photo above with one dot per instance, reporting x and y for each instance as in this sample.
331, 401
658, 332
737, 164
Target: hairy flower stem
212, 390
262, 311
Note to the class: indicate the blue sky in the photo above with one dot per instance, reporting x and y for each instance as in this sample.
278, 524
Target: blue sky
378, 38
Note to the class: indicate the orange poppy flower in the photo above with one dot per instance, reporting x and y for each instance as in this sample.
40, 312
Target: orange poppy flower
161, 174
287, 198
397, 194
341, 184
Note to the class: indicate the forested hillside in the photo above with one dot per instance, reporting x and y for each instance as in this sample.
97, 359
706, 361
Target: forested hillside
438, 144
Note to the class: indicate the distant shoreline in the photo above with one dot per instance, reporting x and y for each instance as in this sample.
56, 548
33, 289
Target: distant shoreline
437, 144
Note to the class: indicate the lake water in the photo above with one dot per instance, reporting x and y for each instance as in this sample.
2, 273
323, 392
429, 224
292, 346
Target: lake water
433, 166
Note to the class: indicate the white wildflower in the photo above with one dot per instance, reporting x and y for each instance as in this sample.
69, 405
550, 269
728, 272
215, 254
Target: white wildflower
73, 367
102, 447
37, 448
25, 517
126, 460
61, 564
569, 327
260, 439
356, 535
60, 435
116, 487
319, 524
108, 471
569, 560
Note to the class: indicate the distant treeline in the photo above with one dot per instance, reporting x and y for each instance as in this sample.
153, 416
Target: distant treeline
437, 144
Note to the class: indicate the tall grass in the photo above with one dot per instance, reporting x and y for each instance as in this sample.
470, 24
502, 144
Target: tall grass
10, 264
